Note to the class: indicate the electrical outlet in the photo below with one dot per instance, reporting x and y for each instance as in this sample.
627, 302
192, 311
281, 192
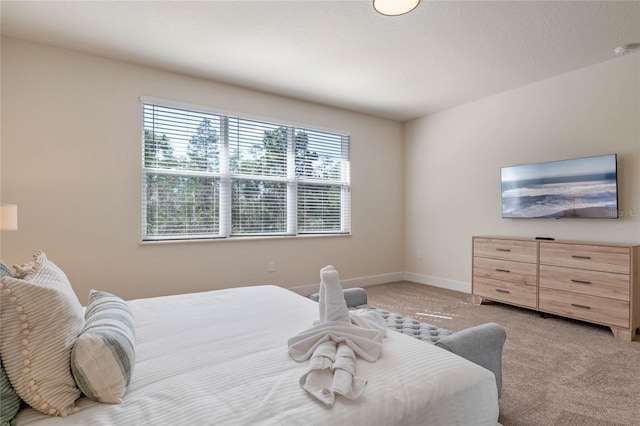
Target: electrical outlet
271, 267
419, 254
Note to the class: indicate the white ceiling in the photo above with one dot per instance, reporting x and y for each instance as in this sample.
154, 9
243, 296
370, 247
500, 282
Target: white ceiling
342, 53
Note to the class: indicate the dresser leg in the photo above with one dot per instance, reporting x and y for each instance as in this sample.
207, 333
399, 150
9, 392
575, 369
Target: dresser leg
476, 300
623, 334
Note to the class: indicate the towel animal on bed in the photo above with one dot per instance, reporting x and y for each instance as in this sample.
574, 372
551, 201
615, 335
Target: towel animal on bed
333, 343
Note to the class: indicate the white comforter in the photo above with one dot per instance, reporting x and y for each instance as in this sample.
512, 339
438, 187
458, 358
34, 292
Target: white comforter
220, 358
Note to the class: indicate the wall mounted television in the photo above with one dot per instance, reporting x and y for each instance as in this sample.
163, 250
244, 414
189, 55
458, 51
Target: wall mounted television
580, 188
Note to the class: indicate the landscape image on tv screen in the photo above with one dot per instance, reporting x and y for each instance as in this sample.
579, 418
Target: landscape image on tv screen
576, 188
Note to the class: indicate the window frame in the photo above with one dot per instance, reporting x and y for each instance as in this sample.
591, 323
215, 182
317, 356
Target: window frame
227, 178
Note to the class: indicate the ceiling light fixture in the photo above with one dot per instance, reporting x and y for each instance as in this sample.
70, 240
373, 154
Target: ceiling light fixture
625, 48
394, 7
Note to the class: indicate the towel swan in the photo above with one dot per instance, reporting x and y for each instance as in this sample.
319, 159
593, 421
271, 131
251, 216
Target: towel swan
333, 343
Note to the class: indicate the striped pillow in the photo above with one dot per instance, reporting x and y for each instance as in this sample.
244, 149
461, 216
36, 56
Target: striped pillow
9, 400
103, 357
41, 318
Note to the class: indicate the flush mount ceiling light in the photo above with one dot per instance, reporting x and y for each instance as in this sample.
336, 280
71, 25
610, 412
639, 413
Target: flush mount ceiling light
394, 7
625, 48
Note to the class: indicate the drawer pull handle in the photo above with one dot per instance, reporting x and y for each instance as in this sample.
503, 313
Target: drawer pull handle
575, 256
499, 290
502, 249
581, 282
580, 306
502, 270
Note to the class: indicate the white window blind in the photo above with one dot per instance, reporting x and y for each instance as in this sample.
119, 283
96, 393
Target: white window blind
216, 176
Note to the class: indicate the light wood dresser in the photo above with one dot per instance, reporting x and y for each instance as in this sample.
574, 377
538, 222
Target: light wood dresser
590, 281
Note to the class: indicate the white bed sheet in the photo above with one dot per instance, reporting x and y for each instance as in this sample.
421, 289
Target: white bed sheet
220, 358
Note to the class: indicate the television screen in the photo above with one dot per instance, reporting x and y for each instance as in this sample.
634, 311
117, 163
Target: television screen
577, 188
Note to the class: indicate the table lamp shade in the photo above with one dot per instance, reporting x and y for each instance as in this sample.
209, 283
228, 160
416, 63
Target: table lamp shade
8, 217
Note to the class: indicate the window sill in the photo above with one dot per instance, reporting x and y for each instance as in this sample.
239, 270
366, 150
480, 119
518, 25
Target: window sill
239, 239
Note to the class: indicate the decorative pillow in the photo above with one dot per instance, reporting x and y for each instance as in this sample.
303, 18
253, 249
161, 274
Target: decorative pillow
41, 318
4, 270
9, 400
103, 357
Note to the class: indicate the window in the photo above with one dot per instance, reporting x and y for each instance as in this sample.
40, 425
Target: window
210, 175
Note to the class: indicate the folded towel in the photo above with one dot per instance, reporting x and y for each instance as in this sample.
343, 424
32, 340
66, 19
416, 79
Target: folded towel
366, 318
318, 380
333, 343
365, 338
367, 343
345, 381
331, 304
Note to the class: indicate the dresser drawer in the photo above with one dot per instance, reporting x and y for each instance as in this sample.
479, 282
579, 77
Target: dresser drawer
580, 306
594, 283
504, 291
595, 258
518, 251
506, 270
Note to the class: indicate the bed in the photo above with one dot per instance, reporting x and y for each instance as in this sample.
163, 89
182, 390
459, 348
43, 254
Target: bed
220, 357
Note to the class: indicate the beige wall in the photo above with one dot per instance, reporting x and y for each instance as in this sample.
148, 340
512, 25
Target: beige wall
71, 160
453, 159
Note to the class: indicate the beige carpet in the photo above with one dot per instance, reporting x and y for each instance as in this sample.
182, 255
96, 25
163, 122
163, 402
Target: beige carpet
556, 371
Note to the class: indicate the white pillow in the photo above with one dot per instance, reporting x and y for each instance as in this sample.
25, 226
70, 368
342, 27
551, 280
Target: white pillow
103, 357
41, 318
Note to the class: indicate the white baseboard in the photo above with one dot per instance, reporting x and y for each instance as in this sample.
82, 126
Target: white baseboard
438, 282
460, 286
307, 290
